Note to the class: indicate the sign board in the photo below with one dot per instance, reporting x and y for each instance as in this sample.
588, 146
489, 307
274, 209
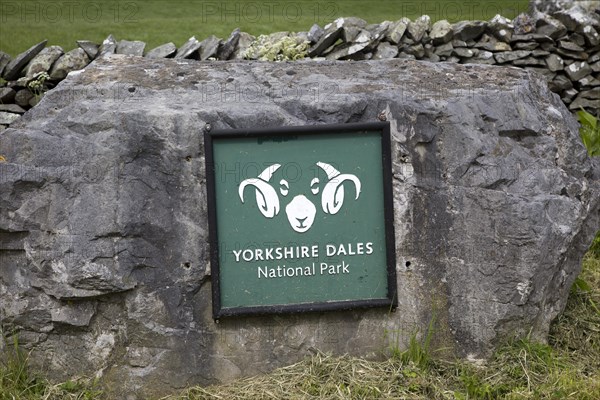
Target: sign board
300, 219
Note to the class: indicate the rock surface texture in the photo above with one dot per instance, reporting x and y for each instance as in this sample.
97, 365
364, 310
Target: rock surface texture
558, 39
103, 221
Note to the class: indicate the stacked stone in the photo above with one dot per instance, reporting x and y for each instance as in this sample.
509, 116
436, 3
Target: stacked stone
564, 47
28, 76
573, 67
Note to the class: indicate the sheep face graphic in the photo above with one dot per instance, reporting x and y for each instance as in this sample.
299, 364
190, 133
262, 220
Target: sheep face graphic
300, 210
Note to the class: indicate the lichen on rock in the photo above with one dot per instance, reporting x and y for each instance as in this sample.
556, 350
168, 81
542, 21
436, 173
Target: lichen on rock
277, 48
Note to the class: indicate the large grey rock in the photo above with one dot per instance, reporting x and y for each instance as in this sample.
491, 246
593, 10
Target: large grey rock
385, 51
244, 43
552, 6
4, 60
73, 60
315, 33
103, 221
570, 46
463, 52
507, 56
577, 55
108, 47
378, 32
23, 97
162, 51
525, 45
131, 47
345, 50
588, 81
582, 102
7, 94
555, 63
444, 50
540, 53
490, 43
523, 24
577, 38
419, 27
396, 30
189, 49
43, 61
469, 30
227, 48
13, 69
209, 47
576, 18
551, 27
12, 108
90, 48
351, 27
416, 50
7, 118
592, 37
441, 32
501, 28
529, 61
591, 94
333, 32
560, 83
483, 57
578, 70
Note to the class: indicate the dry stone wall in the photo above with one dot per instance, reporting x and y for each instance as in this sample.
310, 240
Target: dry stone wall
563, 46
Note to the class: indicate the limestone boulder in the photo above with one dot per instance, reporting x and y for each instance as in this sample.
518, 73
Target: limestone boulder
103, 216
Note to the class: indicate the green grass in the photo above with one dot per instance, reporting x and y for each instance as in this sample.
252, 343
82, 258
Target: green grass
589, 132
26, 22
17, 382
418, 350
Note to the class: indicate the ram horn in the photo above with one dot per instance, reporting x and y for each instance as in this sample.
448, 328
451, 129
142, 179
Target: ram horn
268, 172
329, 170
332, 197
266, 196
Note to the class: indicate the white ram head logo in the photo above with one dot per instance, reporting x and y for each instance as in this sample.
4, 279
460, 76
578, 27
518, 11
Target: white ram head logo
300, 210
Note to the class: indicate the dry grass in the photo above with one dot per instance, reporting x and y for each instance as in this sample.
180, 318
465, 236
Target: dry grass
323, 376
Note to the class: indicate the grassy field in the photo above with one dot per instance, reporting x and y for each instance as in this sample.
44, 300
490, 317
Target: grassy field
568, 367
26, 22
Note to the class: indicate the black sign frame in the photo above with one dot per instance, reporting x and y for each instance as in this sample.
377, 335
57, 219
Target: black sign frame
391, 300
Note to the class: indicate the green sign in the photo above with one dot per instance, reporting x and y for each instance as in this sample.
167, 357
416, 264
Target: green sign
300, 218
